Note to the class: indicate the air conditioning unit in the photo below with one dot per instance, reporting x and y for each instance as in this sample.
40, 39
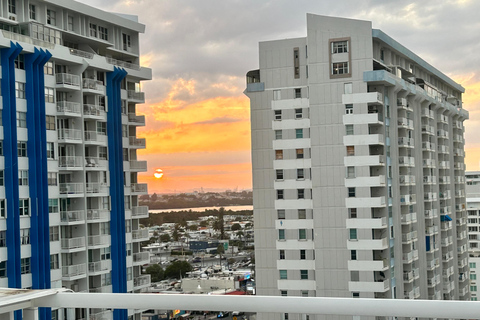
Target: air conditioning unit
74, 287
401, 101
13, 18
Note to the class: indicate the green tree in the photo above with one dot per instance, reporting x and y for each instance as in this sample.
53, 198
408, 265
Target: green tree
203, 223
154, 197
165, 237
248, 225
175, 232
240, 234
156, 272
177, 268
236, 226
193, 227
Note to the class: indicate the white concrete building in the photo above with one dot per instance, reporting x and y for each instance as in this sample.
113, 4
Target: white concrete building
473, 209
70, 84
358, 169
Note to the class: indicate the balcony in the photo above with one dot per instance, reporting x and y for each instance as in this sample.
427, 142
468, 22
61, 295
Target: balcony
71, 188
136, 165
405, 123
429, 231
429, 163
101, 240
407, 180
373, 202
409, 218
409, 237
412, 294
93, 85
442, 134
374, 181
97, 187
368, 265
74, 272
138, 120
69, 135
67, 108
67, 81
406, 142
408, 257
370, 244
371, 98
429, 179
102, 315
140, 212
431, 213
123, 64
70, 163
139, 188
444, 164
428, 146
135, 142
142, 281
104, 288
444, 180
73, 243
141, 258
367, 286
94, 137
94, 215
407, 199
378, 223
429, 196
443, 149
95, 162
140, 235
136, 96
99, 267
443, 119
406, 161
430, 130
374, 160
94, 111
72, 217
81, 53
367, 139
432, 264
428, 113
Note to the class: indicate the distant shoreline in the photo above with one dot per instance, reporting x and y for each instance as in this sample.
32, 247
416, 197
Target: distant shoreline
202, 209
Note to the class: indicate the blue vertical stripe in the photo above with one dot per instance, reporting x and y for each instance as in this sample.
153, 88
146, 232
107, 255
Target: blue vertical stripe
37, 173
117, 196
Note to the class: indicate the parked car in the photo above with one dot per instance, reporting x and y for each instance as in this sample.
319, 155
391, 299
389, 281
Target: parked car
237, 313
223, 314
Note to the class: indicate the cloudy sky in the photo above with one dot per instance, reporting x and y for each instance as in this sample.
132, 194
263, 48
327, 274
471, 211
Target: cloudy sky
197, 126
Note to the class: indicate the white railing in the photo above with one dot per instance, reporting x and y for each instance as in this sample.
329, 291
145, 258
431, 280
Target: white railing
68, 107
69, 134
143, 280
139, 211
93, 84
138, 165
141, 257
73, 243
75, 270
96, 187
70, 188
140, 119
93, 214
80, 53
137, 142
139, 187
94, 110
135, 95
140, 234
72, 216
68, 79
70, 162
124, 64
97, 240
100, 266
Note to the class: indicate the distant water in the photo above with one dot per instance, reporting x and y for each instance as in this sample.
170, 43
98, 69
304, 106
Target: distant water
202, 209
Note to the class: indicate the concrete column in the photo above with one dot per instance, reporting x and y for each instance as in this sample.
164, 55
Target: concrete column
6, 316
30, 314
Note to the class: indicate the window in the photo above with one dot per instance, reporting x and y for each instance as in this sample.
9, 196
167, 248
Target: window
340, 68
349, 129
285, 316
352, 213
21, 119
283, 274
70, 23
296, 63
278, 114
350, 151
31, 12
278, 154
52, 178
3, 268
24, 207
49, 95
282, 254
298, 93
20, 62
302, 213
340, 46
278, 134
300, 174
279, 194
93, 30
51, 17
2, 180
353, 255
102, 153
3, 239
304, 274
350, 172
104, 227
299, 133
473, 288
22, 148
281, 213
52, 205
25, 265
54, 263
23, 177
281, 234
130, 274
25, 236
353, 234
303, 255
382, 55
50, 150
1, 144
277, 95
349, 109
126, 41
348, 88
129, 249
473, 265
50, 121
105, 253
300, 193
302, 234
125, 154
355, 294
304, 293
103, 33
102, 127
298, 113
283, 293
473, 276
299, 153
351, 192
12, 6
54, 236
279, 174
2, 210
48, 68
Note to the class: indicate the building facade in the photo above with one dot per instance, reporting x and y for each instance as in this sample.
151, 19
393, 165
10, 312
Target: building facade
70, 85
473, 209
358, 169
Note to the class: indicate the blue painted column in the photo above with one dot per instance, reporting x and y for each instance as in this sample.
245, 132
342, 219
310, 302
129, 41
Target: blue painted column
9, 115
37, 173
117, 194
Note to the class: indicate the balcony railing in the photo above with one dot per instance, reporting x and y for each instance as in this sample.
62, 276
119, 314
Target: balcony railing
71, 188
143, 280
69, 134
140, 234
123, 64
100, 266
94, 136
93, 84
72, 216
141, 257
67, 79
70, 162
139, 211
138, 165
98, 240
80, 53
139, 187
135, 95
94, 110
75, 270
98, 214
138, 119
102, 315
73, 243
97, 188
68, 107
137, 142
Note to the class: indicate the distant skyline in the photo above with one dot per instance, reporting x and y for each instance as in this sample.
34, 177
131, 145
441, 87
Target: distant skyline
197, 118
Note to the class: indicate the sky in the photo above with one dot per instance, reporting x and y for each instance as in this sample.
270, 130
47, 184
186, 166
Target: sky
197, 117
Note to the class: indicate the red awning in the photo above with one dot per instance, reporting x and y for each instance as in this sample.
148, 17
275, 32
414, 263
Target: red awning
236, 293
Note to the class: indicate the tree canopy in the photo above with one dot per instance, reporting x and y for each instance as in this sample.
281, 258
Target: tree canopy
177, 268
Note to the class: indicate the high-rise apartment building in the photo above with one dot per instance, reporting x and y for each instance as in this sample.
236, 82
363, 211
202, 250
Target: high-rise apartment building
70, 85
473, 209
358, 168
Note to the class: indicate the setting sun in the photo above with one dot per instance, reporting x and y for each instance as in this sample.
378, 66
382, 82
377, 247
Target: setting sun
158, 173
